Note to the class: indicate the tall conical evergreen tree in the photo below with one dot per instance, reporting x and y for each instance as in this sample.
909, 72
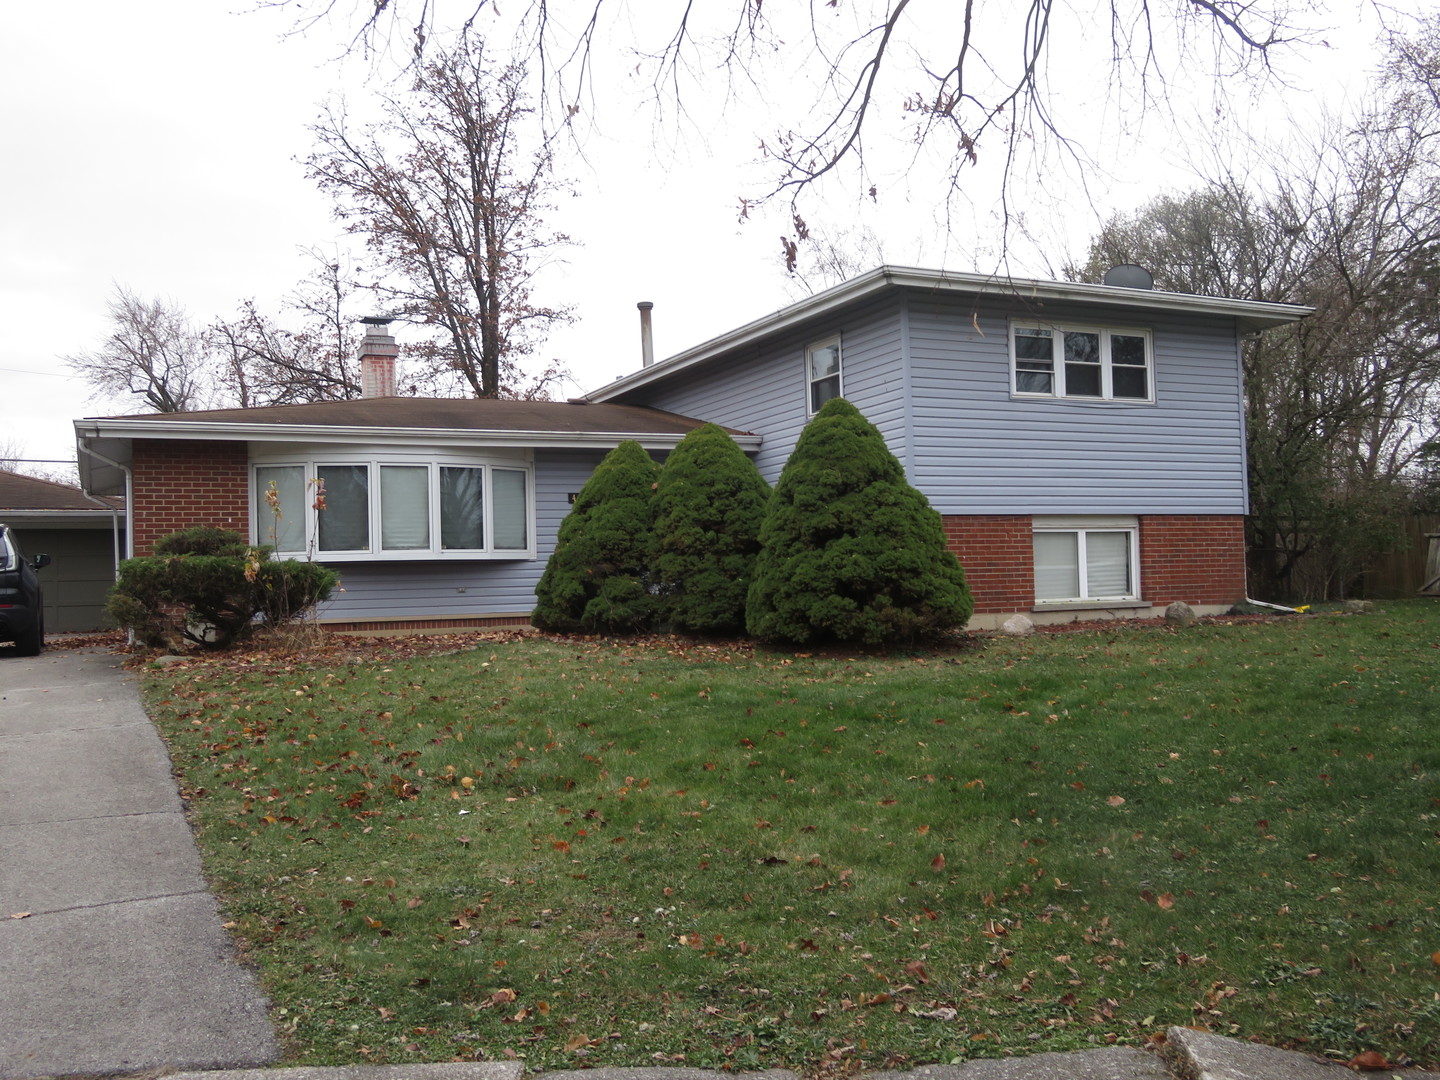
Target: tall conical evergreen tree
597, 580
850, 551
709, 503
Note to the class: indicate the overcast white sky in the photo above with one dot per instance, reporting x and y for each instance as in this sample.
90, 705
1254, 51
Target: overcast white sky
154, 144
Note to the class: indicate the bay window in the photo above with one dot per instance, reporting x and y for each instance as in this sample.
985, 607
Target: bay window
1081, 559
404, 508
378, 509
1080, 362
343, 518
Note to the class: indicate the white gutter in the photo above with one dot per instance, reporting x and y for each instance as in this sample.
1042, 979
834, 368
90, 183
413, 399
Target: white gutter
1251, 315
114, 512
126, 428
59, 517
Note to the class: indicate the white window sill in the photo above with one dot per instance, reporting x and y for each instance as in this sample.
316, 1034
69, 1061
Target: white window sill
1076, 399
328, 557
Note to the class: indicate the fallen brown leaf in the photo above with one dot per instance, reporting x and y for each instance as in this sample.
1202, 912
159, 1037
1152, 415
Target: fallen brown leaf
1369, 1061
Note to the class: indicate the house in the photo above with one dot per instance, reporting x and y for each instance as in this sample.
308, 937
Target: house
436, 512
1084, 443
83, 537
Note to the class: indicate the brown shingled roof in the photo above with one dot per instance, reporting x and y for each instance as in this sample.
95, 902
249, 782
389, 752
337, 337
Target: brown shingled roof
462, 414
31, 493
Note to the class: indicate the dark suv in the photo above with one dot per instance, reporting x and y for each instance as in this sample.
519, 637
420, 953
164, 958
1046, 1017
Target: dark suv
22, 616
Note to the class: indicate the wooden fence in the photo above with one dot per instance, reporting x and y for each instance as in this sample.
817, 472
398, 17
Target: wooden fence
1402, 573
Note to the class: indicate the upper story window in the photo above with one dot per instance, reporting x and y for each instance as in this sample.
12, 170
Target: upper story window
1081, 362
339, 509
822, 370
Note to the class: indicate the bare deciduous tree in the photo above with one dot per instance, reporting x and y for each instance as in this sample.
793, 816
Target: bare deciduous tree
153, 350
449, 194
265, 363
12, 452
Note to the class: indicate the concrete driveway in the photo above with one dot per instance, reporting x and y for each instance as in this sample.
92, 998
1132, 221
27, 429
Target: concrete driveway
119, 962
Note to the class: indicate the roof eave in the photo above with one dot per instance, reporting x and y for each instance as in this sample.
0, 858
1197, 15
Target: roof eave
1251, 316
127, 428
57, 518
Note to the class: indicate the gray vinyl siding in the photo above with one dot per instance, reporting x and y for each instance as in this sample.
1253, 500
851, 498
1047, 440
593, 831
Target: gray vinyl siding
934, 375
765, 389
399, 590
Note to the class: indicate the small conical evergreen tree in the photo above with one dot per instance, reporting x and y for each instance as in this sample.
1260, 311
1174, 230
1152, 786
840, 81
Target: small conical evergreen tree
850, 551
596, 580
708, 507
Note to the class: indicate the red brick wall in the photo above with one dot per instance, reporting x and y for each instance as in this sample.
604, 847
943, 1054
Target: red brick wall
1196, 558
998, 556
180, 483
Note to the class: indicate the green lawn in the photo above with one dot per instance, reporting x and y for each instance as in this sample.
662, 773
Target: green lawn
660, 851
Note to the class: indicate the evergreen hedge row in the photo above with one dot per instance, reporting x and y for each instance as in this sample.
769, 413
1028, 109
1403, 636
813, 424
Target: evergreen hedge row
843, 551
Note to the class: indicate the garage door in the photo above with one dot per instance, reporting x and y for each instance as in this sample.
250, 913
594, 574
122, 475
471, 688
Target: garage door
78, 579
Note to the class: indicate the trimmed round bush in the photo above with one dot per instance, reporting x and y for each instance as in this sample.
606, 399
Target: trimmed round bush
850, 552
206, 586
597, 579
709, 503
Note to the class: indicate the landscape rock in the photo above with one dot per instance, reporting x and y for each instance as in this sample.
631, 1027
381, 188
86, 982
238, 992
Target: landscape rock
1356, 607
1180, 614
1018, 626
1206, 1056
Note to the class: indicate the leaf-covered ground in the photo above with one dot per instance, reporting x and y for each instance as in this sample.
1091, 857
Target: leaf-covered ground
630, 852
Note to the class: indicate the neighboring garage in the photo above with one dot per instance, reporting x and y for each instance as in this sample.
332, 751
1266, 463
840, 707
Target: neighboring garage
80, 534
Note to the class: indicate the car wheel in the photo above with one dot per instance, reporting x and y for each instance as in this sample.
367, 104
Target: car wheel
29, 644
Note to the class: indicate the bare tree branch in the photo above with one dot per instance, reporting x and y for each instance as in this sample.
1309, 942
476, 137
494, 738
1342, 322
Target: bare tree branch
855, 53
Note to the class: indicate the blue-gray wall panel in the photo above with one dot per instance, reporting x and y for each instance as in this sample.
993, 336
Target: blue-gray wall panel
764, 390
981, 451
933, 373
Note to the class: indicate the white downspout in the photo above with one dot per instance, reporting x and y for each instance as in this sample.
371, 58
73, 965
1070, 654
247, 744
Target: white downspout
114, 513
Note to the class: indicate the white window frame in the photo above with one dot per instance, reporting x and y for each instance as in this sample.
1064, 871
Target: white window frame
1081, 526
1107, 382
811, 381
312, 461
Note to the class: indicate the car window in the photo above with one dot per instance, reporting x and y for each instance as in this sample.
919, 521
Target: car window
9, 553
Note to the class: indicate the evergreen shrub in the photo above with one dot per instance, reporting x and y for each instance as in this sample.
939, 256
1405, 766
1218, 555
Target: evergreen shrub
709, 503
597, 579
850, 552
208, 587
201, 540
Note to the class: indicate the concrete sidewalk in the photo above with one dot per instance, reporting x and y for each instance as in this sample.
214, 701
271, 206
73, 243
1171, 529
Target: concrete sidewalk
120, 963
1191, 1055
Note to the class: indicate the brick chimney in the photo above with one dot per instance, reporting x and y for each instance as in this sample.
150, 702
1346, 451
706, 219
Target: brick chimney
377, 358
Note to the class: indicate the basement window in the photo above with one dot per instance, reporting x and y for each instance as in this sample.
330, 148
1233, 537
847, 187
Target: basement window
1086, 559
